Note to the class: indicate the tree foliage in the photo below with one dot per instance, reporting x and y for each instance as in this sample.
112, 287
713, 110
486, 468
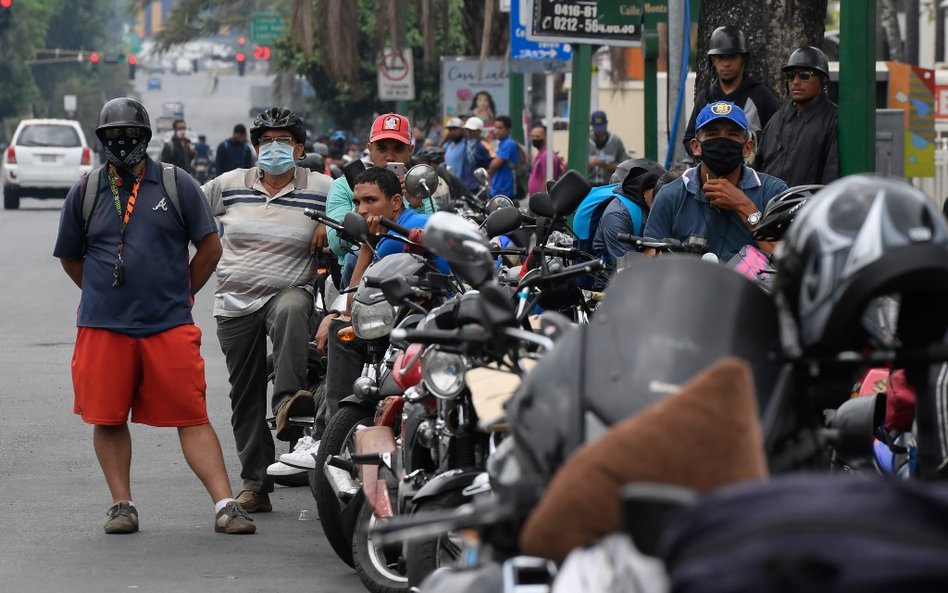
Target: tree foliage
772, 28
38, 89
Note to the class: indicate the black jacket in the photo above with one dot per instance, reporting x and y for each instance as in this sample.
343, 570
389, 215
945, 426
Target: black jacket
758, 103
801, 147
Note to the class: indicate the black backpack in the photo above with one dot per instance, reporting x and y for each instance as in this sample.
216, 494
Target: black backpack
89, 189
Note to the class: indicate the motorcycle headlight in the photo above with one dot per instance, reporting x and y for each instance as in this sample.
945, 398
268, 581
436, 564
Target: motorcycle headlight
443, 373
371, 322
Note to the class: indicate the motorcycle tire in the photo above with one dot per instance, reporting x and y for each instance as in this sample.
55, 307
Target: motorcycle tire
302, 478
423, 556
381, 569
339, 436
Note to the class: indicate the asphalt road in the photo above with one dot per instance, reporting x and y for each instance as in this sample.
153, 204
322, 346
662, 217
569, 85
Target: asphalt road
52, 495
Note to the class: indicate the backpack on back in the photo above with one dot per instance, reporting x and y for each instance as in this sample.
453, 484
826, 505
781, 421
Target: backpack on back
588, 215
89, 189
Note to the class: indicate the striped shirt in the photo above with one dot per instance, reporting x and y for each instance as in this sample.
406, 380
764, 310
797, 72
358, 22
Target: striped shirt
266, 239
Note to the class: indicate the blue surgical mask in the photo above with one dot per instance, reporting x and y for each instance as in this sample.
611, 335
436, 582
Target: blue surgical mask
276, 158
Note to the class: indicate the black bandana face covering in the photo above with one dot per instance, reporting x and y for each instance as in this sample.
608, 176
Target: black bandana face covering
124, 152
722, 155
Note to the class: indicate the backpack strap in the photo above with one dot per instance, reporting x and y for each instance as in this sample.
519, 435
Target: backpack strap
89, 189
635, 211
169, 182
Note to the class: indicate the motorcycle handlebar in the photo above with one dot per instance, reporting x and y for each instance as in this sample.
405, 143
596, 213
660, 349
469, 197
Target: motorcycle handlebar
587, 267
446, 337
322, 218
672, 245
394, 226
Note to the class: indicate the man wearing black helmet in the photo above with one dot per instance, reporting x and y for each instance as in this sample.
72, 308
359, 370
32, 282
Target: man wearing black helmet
123, 239
727, 60
799, 144
264, 290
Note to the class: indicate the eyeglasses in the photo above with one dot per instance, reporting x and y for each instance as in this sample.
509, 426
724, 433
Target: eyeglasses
116, 133
287, 140
804, 75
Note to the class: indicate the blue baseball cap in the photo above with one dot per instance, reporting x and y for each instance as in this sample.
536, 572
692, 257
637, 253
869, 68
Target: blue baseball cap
721, 110
598, 121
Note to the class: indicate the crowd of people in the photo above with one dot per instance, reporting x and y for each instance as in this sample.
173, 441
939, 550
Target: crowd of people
247, 225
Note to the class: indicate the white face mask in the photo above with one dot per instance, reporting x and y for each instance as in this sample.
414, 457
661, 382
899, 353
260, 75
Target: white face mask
181, 133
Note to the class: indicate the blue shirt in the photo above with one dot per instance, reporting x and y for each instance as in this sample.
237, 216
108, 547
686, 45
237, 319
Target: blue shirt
156, 293
502, 182
454, 155
410, 220
475, 155
615, 219
681, 210
233, 155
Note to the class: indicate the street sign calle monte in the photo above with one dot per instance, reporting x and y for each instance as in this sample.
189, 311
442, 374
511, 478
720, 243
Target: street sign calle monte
575, 21
266, 27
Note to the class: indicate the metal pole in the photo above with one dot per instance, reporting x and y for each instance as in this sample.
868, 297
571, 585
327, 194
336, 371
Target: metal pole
676, 41
857, 93
516, 106
911, 31
579, 108
651, 94
549, 126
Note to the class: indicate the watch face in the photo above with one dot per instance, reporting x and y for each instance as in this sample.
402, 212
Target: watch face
754, 218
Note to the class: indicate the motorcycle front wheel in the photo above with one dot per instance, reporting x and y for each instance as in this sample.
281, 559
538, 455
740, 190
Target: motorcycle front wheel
380, 568
423, 556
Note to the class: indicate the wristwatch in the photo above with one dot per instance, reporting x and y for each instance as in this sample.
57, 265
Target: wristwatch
754, 218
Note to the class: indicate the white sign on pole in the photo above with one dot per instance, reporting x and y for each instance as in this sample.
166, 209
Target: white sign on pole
70, 105
396, 75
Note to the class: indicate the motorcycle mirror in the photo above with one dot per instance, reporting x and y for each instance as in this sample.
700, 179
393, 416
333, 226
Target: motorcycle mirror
541, 205
355, 228
422, 181
503, 221
497, 309
498, 202
568, 191
351, 170
854, 426
396, 290
481, 175
461, 244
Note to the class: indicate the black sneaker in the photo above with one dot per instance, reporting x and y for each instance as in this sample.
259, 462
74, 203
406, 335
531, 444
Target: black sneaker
123, 518
233, 519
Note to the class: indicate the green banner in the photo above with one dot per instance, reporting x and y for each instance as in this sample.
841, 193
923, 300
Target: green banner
266, 27
646, 12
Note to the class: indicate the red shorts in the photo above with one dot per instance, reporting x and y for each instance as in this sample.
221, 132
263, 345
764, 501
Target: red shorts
160, 379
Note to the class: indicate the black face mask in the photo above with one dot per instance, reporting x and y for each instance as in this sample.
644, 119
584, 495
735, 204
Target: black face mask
125, 152
722, 155
600, 142
538, 144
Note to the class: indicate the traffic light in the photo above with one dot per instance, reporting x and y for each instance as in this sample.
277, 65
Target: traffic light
241, 58
94, 60
6, 13
132, 62
262, 52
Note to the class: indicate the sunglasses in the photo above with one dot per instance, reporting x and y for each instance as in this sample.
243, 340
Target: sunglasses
804, 75
116, 133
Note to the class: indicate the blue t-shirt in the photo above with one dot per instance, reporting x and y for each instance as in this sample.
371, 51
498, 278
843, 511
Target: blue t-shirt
615, 219
410, 220
681, 210
156, 293
475, 155
454, 155
502, 182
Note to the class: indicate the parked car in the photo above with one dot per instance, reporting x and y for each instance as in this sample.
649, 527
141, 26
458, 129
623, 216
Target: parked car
154, 83
45, 158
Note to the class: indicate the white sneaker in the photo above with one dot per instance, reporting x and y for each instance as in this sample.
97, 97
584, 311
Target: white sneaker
303, 456
282, 469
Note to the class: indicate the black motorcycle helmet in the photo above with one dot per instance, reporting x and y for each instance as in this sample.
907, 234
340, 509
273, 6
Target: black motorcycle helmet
313, 162
727, 41
623, 168
808, 57
429, 154
860, 238
781, 210
123, 112
278, 118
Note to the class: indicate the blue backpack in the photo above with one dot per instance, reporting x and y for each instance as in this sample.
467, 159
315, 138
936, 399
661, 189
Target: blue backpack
589, 213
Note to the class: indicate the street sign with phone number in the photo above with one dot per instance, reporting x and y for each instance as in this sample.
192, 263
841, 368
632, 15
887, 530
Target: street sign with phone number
575, 21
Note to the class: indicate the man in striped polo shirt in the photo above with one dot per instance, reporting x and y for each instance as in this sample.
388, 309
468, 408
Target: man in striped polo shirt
264, 289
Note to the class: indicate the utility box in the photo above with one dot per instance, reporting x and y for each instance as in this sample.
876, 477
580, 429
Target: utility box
890, 142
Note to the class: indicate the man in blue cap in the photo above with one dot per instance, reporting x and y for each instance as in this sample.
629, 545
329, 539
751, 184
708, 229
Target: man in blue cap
721, 199
606, 150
